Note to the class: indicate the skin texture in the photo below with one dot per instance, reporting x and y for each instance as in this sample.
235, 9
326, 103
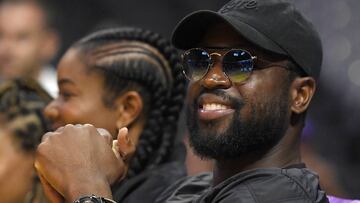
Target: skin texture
16, 169
25, 45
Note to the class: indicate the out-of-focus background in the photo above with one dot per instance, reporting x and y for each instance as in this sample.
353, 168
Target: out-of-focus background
331, 140
333, 129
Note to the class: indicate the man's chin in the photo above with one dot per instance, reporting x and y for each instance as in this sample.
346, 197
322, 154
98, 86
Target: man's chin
216, 127
214, 133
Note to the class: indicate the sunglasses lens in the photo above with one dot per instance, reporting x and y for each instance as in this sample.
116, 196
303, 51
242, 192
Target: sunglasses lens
196, 63
238, 64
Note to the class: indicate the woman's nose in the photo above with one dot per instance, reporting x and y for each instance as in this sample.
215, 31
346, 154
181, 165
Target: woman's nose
50, 111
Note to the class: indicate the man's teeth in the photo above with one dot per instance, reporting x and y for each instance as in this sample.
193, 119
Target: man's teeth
213, 107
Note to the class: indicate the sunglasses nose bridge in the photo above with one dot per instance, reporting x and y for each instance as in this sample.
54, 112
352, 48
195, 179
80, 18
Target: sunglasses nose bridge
216, 77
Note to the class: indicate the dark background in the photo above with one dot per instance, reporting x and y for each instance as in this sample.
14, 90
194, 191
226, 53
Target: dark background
334, 119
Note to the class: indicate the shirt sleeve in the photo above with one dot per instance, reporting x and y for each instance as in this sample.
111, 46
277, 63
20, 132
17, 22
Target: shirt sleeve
186, 190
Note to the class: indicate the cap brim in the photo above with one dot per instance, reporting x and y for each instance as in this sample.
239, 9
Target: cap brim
191, 29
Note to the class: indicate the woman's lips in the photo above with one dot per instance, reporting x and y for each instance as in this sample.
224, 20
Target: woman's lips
55, 126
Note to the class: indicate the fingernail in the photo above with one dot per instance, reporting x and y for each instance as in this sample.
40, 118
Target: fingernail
127, 139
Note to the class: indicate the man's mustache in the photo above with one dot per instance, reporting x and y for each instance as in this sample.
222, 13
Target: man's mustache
235, 102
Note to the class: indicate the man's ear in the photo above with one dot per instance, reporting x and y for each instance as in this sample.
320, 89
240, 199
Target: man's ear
129, 107
302, 91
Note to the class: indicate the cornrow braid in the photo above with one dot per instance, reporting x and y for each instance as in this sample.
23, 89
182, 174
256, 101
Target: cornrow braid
141, 60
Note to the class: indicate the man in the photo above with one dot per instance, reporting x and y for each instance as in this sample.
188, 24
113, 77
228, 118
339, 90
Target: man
28, 42
252, 68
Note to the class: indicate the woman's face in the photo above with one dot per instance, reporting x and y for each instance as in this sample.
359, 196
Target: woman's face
16, 169
80, 98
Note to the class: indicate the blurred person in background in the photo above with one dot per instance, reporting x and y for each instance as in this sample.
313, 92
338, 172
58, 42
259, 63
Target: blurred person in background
28, 42
22, 125
126, 77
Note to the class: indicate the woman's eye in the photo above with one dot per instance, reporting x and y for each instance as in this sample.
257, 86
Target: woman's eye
65, 95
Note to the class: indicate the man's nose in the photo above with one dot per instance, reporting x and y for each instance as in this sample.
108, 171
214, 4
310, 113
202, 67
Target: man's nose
215, 78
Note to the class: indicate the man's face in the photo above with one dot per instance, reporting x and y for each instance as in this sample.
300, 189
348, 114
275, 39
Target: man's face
22, 40
227, 119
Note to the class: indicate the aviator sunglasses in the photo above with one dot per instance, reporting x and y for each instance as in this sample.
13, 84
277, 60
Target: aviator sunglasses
237, 64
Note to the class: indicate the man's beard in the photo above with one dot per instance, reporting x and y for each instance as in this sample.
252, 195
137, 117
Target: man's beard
256, 135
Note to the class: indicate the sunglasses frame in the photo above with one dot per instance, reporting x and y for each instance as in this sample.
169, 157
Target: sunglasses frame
268, 63
211, 64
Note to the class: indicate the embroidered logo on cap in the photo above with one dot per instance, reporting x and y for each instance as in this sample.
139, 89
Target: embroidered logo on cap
239, 4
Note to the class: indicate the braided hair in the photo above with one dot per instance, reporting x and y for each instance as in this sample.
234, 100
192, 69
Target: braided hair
21, 104
136, 59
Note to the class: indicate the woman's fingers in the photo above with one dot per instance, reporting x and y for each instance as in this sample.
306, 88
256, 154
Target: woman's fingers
125, 146
51, 194
107, 136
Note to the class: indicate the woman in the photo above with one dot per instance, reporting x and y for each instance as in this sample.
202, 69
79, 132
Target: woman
126, 77
22, 125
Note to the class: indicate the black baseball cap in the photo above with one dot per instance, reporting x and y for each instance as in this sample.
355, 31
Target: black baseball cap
274, 25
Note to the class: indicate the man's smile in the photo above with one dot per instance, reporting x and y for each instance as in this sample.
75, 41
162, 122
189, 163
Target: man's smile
211, 107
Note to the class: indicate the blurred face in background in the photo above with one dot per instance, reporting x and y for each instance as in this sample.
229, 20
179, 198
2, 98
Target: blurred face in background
26, 44
16, 169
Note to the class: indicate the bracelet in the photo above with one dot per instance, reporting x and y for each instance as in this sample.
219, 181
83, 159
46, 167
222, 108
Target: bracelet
107, 200
93, 199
